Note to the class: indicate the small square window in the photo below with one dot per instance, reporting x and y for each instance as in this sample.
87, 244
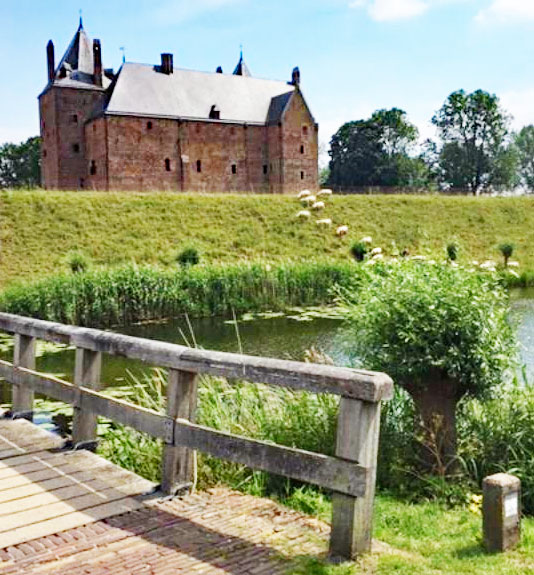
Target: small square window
76, 148
305, 130
74, 118
234, 169
149, 125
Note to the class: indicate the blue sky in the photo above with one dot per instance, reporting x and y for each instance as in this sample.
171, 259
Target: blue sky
355, 56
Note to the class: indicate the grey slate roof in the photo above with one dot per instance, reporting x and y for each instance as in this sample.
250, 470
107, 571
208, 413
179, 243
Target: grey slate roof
140, 90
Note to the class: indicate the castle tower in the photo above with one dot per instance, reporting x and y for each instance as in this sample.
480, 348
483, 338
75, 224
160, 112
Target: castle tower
76, 90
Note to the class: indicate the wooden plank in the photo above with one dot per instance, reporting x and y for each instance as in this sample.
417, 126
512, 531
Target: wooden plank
140, 418
357, 440
329, 472
23, 356
358, 384
86, 374
179, 462
70, 521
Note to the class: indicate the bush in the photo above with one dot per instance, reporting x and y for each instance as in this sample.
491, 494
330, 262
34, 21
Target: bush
359, 251
440, 332
188, 257
78, 262
506, 249
452, 251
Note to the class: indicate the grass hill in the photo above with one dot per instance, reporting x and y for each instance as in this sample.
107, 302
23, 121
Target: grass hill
39, 228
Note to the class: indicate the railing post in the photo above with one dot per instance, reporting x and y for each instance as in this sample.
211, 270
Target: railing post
87, 374
23, 356
357, 440
178, 462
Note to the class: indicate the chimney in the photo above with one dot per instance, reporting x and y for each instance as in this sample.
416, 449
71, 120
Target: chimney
166, 64
295, 77
97, 61
50, 60
219, 70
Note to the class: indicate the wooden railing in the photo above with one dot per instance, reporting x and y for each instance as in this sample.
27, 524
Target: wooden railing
350, 474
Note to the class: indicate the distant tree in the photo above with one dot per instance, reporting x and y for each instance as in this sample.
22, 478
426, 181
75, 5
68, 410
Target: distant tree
20, 164
524, 143
474, 153
374, 152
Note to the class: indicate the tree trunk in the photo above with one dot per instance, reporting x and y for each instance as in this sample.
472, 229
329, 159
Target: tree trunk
436, 400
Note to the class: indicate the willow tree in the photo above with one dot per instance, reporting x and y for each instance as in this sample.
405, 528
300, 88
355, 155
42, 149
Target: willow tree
440, 332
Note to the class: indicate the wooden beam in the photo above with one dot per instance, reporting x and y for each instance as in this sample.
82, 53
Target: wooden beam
357, 384
357, 440
86, 374
329, 472
23, 356
179, 461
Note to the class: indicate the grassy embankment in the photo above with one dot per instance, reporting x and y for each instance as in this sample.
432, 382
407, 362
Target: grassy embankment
38, 228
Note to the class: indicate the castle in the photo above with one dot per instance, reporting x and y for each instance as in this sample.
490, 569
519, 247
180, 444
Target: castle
165, 128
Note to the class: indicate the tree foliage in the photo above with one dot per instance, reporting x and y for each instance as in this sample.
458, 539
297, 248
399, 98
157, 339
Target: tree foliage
475, 152
524, 143
20, 164
375, 152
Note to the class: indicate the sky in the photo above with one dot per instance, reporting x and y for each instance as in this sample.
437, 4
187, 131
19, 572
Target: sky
355, 56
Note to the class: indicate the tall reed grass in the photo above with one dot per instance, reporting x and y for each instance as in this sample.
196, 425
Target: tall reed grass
119, 296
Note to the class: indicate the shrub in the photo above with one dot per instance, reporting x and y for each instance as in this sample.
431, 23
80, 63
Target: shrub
452, 251
506, 249
441, 332
78, 262
188, 257
359, 251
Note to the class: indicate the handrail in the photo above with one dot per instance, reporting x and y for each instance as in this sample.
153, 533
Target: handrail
350, 474
354, 383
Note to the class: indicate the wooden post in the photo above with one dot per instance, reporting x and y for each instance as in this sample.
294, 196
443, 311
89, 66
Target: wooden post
23, 356
178, 461
357, 440
87, 374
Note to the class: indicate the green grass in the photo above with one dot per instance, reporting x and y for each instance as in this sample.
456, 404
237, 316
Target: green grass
39, 228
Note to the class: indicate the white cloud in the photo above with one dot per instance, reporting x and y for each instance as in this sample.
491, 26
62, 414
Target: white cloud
394, 10
179, 11
519, 104
502, 11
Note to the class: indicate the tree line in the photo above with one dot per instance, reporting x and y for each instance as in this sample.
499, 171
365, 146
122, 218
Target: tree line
20, 164
476, 150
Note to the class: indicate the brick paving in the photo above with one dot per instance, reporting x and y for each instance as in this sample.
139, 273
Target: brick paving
214, 532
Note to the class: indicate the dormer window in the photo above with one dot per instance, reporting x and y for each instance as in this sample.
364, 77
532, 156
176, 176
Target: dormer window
215, 113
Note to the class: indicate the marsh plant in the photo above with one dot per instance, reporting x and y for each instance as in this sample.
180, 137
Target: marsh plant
77, 261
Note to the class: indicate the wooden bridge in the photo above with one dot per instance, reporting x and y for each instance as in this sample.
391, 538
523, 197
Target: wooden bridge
58, 504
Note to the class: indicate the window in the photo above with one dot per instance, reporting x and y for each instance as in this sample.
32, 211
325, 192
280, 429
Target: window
234, 169
76, 148
264, 168
44, 153
94, 127
167, 165
301, 175
305, 130
74, 118
92, 169
82, 183
199, 166
302, 149
149, 125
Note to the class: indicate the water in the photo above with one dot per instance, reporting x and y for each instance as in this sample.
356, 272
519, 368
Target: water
279, 337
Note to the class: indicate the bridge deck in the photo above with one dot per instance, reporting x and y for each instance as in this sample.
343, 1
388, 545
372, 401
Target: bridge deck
75, 512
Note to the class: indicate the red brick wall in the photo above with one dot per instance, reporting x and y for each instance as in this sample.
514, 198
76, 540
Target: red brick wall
68, 109
137, 153
96, 154
300, 147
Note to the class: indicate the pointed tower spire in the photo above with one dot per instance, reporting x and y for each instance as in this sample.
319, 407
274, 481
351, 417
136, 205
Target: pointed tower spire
80, 27
241, 69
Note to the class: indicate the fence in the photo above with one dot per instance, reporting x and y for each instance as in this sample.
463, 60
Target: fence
351, 474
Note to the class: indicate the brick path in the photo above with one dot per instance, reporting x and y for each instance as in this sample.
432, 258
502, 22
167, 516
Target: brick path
215, 532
